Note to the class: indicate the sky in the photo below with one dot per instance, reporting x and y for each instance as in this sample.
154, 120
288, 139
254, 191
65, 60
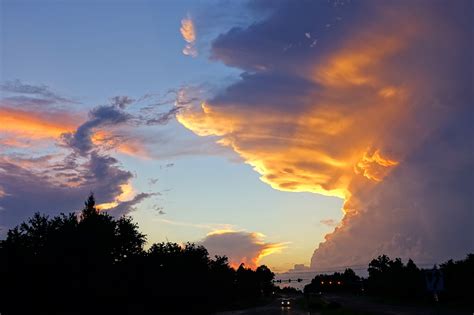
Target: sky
322, 133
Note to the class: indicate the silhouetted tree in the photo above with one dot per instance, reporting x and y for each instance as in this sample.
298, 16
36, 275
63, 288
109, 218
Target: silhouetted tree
458, 280
93, 263
89, 208
265, 279
46, 261
393, 278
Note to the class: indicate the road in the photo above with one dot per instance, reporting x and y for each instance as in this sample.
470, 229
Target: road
352, 302
362, 303
271, 309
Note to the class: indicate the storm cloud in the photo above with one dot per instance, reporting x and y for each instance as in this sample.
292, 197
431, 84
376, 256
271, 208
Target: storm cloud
367, 101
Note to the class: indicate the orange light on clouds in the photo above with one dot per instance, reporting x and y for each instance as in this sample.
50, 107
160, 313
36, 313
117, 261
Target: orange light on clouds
31, 125
270, 249
220, 232
188, 32
2, 192
21, 127
241, 246
131, 147
201, 121
342, 139
127, 193
353, 68
388, 92
374, 166
343, 131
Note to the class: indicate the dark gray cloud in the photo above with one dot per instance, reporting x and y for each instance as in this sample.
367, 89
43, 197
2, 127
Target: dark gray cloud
268, 44
253, 88
121, 101
152, 181
35, 185
101, 116
125, 207
163, 118
159, 209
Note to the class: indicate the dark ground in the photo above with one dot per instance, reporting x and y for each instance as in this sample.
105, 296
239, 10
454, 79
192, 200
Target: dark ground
370, 305
349, 305
273, 308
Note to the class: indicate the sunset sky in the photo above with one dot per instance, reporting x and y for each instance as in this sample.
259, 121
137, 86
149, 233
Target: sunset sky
277, 132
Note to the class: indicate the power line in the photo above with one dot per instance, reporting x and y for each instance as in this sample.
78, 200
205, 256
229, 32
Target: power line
353, 267
342, 268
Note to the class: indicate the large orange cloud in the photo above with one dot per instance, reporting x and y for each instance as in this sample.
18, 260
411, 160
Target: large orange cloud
328, 145
368, 102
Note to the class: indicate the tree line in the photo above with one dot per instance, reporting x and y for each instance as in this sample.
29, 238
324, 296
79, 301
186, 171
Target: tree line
452, 282
93, 263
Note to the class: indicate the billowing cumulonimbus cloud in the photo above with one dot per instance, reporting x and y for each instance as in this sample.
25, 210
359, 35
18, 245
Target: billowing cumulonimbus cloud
359, 115
240, 246
188, 32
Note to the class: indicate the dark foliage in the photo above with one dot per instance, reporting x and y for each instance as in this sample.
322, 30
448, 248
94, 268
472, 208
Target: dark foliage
97, 264
393, 278
347, 281
458, 280
288, 291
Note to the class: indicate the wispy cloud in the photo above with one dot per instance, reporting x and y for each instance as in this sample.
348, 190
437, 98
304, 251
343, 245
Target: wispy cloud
42, 91
329, 222
203, 226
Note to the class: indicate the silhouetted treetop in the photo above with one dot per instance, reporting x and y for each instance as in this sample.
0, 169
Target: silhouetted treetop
89, 207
